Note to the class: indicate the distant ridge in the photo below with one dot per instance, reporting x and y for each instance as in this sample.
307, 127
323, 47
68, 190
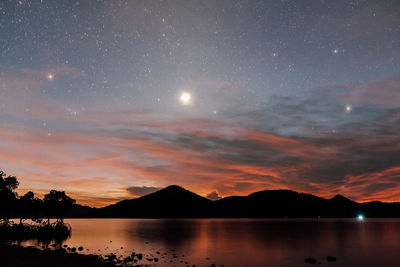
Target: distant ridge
170, 202
177, 202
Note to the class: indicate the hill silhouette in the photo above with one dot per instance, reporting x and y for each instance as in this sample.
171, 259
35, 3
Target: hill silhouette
170, 202
177, 202
78, 211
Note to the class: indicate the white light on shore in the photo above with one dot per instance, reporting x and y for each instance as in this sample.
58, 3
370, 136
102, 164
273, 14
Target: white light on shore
360, 217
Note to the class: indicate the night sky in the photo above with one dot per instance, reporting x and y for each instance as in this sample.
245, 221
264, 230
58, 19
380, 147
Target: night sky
110, 100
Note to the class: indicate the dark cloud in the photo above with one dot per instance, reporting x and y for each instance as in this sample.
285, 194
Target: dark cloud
236, 150
384, 91
138, 191
214, 196
371, 189
308, 160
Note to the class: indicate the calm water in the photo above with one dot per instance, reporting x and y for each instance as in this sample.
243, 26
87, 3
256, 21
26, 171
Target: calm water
242, 242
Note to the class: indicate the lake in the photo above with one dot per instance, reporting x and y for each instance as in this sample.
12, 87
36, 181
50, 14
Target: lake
241, 242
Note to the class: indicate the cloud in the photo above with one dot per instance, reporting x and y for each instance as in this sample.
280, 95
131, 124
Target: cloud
56, 71
213, 196
384, 91
201, 155
138, 191
310, 145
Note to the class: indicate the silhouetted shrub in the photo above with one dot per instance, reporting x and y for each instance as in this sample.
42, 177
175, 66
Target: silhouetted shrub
8, 197
40, 231
28, 207
54, 205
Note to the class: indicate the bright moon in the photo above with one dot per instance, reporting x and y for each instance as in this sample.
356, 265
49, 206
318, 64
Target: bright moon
50, 76
185, 98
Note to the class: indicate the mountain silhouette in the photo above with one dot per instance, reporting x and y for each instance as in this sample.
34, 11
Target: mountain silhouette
170, 202
271, 203
177, 202
78, 211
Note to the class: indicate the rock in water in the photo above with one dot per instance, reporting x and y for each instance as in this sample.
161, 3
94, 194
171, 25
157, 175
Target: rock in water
331, 258
311, 260
128, 259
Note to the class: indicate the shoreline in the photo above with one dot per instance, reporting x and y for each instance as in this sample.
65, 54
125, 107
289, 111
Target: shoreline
16, 256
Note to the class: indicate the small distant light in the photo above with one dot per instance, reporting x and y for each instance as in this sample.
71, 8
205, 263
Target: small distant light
360, 217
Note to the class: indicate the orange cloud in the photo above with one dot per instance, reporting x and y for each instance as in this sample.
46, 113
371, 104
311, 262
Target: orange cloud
101, 154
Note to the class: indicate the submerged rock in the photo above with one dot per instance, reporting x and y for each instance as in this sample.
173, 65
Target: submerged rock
128, 259
330, 258
311, 260
111, 257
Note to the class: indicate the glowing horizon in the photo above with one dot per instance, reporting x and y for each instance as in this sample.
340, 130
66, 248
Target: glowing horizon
222, 99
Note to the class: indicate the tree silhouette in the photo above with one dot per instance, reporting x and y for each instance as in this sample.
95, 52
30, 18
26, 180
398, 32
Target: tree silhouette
56, 204
28, 206
8, 197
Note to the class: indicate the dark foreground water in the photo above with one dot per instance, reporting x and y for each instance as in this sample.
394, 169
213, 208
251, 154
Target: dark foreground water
241, 242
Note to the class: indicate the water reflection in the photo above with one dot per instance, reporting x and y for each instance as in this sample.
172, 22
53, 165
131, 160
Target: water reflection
169, 233
241, 242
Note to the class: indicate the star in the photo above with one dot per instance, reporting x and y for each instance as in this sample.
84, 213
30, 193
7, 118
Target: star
348, 108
